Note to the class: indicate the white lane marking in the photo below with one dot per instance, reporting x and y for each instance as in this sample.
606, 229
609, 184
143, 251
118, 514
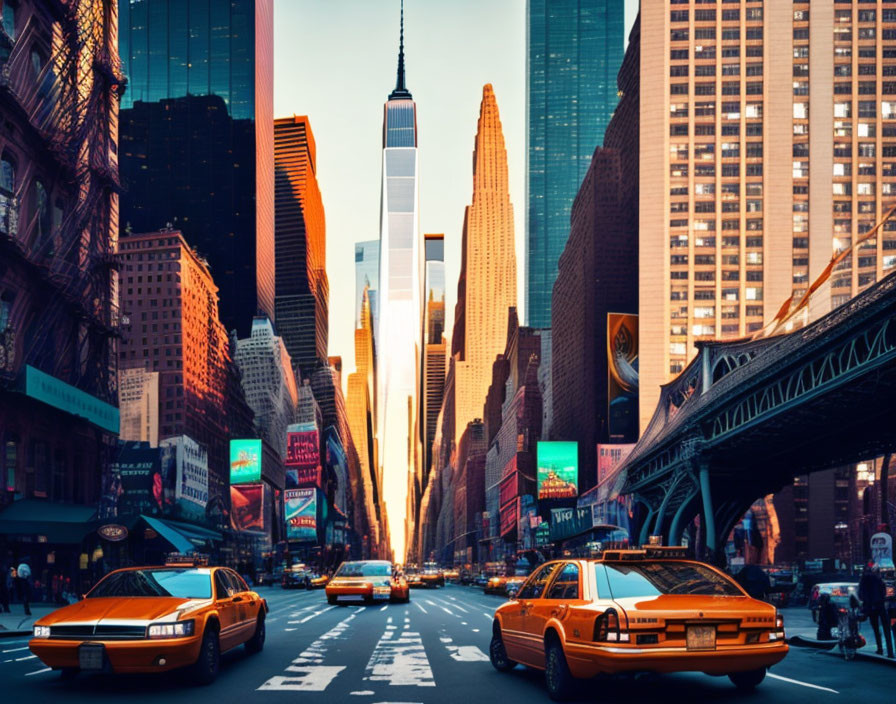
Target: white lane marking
488, 616
13, 650
389, 620
462, 653
316, 613
459, 607
289, 629
313, 679
475, 630
400, 661
407, 620
364, 692
313, 675
385, 606
27, 657
420, 607
463, 623
802, 684
37, 672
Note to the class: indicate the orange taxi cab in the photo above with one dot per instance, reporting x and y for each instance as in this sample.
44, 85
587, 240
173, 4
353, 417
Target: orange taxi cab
366, 581
635, 610
432, 576
153, 619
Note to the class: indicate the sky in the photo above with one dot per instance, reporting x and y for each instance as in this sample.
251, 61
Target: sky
335, 61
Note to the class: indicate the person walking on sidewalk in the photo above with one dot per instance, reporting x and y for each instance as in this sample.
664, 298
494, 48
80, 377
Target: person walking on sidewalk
23, 586
873, 593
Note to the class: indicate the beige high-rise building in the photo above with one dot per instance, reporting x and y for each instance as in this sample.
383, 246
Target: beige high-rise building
138, 399
768, 143
487, 285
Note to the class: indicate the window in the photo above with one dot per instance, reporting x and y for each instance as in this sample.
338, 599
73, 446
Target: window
7, 175
40, 209
566, 586
9, 18
535, 585
37, 62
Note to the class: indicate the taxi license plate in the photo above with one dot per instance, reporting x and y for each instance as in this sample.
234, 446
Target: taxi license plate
349, 597
701, 637
91, 656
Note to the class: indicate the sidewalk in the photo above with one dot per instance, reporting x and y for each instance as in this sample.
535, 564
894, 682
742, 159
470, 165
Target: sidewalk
801, 632
17, 623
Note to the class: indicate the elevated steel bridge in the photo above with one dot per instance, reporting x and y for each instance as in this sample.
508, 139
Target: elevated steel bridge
745, 417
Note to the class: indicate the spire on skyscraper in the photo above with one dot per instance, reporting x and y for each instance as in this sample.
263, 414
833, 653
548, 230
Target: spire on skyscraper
400, 92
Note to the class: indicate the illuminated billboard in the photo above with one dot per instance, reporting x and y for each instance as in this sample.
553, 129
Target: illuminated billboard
303, 455
558, 470
247, 508
301, 514
622, 377
245, 461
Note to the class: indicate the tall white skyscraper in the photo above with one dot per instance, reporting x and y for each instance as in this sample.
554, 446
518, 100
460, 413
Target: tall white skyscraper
398, 328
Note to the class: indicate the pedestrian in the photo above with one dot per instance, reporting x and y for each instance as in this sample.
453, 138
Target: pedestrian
827, 617
23, 586
873, 593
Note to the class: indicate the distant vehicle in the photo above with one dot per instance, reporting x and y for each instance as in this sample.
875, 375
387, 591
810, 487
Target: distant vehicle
316, 581
294, 577
154, 619
432, 575
633, 611
414, 578
839, 591
452, 575
366, 581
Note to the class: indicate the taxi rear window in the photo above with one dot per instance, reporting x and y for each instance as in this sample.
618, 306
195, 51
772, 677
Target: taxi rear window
655, 578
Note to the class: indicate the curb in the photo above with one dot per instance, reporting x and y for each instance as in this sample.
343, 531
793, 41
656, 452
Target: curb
829, 646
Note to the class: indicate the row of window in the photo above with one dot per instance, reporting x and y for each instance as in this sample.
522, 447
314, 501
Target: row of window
703, 53
728, 34
753, 14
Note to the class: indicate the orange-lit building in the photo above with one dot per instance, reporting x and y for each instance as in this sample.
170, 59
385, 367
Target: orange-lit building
171, 304
302, 288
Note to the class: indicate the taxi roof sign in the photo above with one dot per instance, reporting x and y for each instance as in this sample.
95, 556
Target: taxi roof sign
179, 559
624, 554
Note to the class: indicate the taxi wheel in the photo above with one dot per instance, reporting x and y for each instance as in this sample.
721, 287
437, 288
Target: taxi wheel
68, 673
749, 680
205, 670
557, 677
497, 654
256, 643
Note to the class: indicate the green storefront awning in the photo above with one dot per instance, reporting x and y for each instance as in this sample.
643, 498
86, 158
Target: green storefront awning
45, 521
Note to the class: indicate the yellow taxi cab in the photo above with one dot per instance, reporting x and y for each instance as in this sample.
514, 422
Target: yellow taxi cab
153, 619
495, 585
318, 581
366, 581
432, 576
635, 610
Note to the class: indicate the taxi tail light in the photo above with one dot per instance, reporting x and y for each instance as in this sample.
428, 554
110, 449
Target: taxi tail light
778, 633
606, 628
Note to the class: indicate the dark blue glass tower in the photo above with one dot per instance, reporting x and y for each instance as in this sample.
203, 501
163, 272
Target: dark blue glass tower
575, 49
196, 138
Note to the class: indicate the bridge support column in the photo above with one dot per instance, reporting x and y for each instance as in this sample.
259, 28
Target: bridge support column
675, 530
707, 507
661, 512
645, 527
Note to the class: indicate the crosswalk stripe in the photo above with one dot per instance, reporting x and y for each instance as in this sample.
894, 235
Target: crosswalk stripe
400, 661
316, 613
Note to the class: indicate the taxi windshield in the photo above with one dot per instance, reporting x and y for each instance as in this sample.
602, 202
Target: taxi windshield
364, 569
180, 583
655, 578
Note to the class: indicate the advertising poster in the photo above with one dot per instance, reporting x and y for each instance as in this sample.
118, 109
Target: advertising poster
245, 461
567, 522
303, 455
247, 507
138, 481
882, 550
509, 516
558, 470
609, 457
191, 472
622, 376
300, 513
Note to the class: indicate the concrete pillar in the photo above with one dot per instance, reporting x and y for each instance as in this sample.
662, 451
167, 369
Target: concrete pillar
707, 508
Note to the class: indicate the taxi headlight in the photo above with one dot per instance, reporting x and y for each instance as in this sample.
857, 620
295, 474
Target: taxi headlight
41, 631
177, 629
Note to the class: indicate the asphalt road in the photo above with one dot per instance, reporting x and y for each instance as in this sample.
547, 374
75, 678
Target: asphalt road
431, 650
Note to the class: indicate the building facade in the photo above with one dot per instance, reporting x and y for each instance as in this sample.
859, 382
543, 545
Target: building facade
574, 49
398, 300
487, 285
434, 348
268, 382
302, 288
58, 300
170, 300
138, 401
367, 275
196, 138
769, 151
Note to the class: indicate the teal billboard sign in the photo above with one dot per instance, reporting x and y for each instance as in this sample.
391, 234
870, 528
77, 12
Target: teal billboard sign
245, 461
49, 390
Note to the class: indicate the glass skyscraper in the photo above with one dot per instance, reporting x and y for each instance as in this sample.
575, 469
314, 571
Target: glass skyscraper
367, 273
400, 315
575, 49
196, 138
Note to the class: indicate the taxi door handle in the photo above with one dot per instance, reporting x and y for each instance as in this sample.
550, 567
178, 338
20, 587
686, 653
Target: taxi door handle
236, 599
560, 611
527, 605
